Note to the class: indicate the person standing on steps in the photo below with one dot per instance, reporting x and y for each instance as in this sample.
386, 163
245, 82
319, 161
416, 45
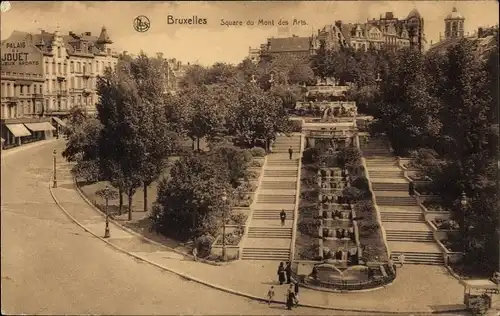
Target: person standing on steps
288, 270
290, 152
281, 273
283, 217
411, 188
401, 259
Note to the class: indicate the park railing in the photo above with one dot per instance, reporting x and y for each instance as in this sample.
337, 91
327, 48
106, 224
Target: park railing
349, 285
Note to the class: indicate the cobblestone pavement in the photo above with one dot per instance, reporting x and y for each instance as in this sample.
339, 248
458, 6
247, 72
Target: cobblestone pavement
51, 266
46, 259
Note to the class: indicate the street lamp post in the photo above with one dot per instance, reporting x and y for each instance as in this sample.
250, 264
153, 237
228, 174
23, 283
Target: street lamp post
106, 198
54, 154
463, 202
224, 254
378, 80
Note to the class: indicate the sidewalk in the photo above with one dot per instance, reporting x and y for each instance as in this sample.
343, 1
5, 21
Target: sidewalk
8, 152
417, 289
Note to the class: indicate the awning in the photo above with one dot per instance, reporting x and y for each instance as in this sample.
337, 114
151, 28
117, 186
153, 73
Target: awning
59, 121
38, 127
18, 130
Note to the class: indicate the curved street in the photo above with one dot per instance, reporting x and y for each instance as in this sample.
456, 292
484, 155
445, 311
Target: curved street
51, 266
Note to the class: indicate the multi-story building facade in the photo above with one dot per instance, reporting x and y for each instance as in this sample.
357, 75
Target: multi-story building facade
385, 32
46, 74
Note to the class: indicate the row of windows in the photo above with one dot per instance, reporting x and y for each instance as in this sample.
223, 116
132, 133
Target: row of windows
20, 89
78, 67
9, 89
25, 107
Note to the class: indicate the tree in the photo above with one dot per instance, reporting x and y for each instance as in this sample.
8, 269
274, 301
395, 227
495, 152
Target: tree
407, 111
81, 145
190, 201
208, 113
231, 161
258, 115
301, 73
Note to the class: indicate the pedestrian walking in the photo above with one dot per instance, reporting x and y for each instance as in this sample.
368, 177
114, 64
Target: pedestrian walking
411, 188
290, 152
296, 291
288, 271
401, 259
290, 297
195, 254
281, 273
270, 295
283, 217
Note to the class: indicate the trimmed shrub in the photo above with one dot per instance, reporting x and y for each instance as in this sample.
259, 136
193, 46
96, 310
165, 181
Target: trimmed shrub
349, 157
361, 183
258, 152
295, 126
311, 155
256, 163
352, 194
364, 206
247, 155
204, 245
309, 227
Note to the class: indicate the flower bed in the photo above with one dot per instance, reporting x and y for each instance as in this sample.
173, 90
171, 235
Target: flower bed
434, 206
445, 224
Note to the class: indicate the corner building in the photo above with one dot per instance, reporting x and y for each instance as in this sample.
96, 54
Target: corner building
44, 75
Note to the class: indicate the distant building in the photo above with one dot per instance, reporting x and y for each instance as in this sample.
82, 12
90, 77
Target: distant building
295, 46
176, 71
485, 37
47, 74
454, 25
388, 32
254, 54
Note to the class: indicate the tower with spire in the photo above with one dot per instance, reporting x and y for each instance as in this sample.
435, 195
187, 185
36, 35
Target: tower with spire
104, 41
454, 25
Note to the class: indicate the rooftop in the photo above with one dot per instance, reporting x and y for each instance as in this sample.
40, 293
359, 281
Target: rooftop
455, 15
289, 44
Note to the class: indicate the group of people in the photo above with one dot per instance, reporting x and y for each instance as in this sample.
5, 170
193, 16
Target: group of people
285, 276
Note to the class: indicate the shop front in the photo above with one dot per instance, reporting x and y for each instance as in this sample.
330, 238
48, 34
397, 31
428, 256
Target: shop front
19, 131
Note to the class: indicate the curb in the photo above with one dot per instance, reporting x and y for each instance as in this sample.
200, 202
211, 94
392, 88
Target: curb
230, 291
131, 231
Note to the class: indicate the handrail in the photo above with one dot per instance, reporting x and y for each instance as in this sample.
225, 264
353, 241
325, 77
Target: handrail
251, 208
297, 198
377, 211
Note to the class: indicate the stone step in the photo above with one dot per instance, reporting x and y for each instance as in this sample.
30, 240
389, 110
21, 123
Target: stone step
288, 162
419, 258
374, 173
285, 199
411, 236
269, 232
402, 217
265, 254
282, 173
264, 216
378, 186
396, 200
278, 185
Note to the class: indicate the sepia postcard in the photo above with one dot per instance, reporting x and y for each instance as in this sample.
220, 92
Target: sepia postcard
249, 158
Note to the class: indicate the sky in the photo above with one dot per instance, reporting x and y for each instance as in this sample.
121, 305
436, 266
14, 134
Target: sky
212, 42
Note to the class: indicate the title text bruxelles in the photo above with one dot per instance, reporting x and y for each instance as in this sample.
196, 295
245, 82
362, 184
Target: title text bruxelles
193, 20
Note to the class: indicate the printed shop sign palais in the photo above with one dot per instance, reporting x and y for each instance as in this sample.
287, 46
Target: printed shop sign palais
19, 54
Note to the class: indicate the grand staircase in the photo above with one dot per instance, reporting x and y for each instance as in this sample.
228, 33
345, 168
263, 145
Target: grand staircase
403, 220
266, 238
